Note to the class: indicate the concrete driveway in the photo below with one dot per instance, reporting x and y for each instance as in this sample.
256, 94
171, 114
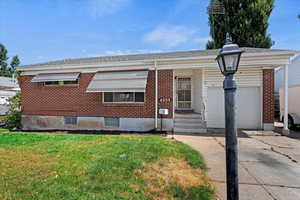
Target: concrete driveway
269, 164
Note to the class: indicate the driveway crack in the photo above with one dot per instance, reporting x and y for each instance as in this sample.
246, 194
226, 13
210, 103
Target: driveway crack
256, 179
273, 145
283, 154
219, 143
272, 148
259, 182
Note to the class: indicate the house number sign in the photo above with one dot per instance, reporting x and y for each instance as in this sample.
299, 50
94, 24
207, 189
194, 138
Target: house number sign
164, 100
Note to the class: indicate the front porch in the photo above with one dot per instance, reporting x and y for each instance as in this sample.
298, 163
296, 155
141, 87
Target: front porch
189, 105
199, 98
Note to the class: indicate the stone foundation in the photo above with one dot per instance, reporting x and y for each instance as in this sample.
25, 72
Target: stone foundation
35, 122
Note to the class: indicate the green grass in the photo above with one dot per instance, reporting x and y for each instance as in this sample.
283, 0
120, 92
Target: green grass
180, 193
62, 166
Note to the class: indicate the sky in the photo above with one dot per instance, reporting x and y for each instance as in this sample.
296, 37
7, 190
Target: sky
45, 30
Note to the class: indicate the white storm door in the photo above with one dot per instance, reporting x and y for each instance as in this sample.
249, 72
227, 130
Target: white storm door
183, 93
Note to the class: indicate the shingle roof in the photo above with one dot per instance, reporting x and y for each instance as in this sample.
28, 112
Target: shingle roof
140, 57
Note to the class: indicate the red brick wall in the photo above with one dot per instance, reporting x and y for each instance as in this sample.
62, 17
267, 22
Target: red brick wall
165, 91
268, 96
74, 101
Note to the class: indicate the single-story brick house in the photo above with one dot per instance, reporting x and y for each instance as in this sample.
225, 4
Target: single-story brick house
126, 92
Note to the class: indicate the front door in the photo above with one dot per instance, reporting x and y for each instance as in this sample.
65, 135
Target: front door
183, 93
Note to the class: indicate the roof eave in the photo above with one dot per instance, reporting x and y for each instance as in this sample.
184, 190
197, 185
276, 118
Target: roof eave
144, 62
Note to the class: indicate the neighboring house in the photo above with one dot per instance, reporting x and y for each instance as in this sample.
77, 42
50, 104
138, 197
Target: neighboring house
8, 89
294, 74
293, 77
294, 89
126, 92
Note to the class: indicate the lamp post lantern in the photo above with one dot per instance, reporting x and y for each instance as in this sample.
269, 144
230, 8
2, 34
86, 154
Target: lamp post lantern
228, 60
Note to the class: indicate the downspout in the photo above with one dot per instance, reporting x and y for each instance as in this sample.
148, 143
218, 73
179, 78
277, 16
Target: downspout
156, 94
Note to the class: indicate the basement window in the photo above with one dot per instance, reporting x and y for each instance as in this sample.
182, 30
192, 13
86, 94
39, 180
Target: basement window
124, 97
70, 120
111, 122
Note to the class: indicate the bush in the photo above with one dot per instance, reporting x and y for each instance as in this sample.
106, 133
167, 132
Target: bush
13, 117
13, 120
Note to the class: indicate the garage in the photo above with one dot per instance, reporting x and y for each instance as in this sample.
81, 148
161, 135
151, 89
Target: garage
248, 103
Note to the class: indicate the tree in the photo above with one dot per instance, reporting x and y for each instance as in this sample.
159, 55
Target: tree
3, 60
15, 62
245, 20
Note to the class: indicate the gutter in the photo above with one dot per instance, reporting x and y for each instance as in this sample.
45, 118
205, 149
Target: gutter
295, 57
143, 62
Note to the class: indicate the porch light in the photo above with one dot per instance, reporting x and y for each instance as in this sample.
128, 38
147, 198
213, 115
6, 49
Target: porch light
229, 57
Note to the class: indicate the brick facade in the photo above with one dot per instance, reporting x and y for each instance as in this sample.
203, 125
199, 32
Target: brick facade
165, 91
38, 99
268, 96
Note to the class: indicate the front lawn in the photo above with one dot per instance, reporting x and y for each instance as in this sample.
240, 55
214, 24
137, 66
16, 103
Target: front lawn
105, 167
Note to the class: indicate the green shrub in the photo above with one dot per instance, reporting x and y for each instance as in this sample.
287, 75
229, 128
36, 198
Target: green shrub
13, 120
13, 117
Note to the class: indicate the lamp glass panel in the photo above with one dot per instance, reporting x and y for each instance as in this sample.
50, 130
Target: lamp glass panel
220, 62
231, 62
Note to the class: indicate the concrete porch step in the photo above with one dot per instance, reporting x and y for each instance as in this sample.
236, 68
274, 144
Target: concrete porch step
190, 125
188, 116
192, 130
187, 120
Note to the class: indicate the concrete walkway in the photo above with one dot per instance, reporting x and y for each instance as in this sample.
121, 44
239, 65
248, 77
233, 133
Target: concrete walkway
269, 164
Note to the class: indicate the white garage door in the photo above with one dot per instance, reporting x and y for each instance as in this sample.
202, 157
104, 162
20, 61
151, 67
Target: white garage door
248, 108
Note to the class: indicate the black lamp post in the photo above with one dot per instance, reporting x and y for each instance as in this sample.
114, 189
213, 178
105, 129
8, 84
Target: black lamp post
228, 60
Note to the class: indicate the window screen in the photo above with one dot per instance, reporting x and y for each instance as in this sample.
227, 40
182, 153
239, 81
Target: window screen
124, 97
108, 97
139, 97
71, 82
49, 83
60, 83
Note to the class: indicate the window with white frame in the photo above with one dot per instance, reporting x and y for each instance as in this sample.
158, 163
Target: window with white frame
124, 97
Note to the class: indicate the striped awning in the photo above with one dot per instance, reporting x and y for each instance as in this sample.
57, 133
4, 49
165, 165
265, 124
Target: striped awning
55, 77
134, 81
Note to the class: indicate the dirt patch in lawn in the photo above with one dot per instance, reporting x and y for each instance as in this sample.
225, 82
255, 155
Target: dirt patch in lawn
160, 175
2, 198
23, 167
